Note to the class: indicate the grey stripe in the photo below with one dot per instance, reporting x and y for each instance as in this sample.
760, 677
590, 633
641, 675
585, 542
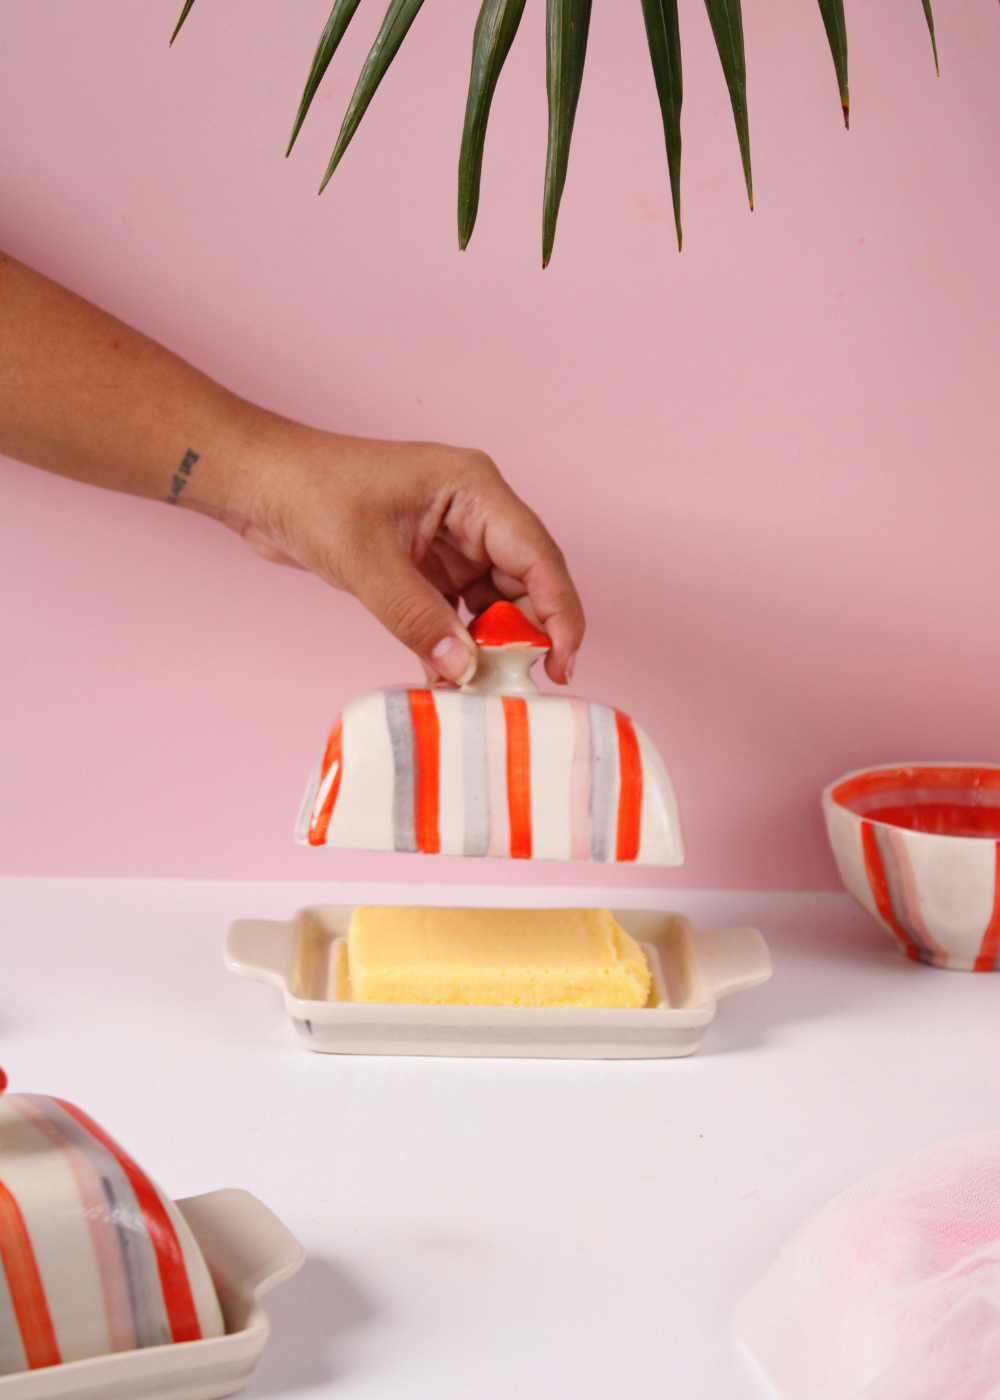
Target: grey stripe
150, 1324
397, 709
142, 1283
12, 1357
895, 883
604, 755
475, 783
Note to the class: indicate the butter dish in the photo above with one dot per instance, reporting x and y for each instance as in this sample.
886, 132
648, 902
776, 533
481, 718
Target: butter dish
248, 1251
692, 969
493, 769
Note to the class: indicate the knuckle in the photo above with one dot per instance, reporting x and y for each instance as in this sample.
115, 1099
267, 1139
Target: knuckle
479, 465
409, 618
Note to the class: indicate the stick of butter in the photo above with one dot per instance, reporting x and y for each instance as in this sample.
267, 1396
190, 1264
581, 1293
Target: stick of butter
495, 957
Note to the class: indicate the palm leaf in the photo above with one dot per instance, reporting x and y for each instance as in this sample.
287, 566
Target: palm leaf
664, 38
727, 26
336, 26
836, 31
398, 18
929, 15
184, 15
495, 29
567, 26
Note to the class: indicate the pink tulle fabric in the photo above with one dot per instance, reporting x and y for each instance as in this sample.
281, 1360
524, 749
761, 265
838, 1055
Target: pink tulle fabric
892, 1290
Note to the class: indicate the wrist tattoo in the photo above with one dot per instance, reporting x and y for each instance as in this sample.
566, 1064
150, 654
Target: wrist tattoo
181, 476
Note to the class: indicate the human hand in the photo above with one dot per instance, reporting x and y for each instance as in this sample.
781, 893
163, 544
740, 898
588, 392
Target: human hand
408, 528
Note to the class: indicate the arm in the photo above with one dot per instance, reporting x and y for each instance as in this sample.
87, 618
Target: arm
406, 527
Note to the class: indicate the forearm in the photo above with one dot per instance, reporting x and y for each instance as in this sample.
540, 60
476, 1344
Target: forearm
406, 527
88, 397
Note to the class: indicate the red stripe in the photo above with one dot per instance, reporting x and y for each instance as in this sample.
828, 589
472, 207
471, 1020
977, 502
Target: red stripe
630, 798
515, 713
929, 776
990, 945
27, 1292
177, 1296
321, 820
879, 886
427, 753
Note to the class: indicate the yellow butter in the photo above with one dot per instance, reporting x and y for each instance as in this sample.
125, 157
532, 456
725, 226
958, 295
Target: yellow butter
495, 957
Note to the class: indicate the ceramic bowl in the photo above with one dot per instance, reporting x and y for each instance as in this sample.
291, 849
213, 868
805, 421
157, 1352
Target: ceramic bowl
94, 1258
918, 845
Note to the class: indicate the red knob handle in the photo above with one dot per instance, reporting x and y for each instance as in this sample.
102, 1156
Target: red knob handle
504, 625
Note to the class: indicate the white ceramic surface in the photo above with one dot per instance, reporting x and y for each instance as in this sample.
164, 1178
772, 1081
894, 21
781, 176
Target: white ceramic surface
248, 1251
936, 892
502, 1229
695, 968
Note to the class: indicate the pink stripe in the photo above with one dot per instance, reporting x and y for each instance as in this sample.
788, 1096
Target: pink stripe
182, 1314
117, 1313
496, 777
579, 783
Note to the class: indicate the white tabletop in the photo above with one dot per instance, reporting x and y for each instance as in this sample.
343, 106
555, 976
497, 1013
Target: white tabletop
540, 1229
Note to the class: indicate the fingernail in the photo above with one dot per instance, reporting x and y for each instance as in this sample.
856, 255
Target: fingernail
571, 666
454, 660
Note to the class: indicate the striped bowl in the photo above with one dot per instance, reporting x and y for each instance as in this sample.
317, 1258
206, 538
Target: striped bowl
918, 845
94, 1258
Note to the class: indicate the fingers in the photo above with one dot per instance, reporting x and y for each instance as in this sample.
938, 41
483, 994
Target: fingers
481, 594
394, 590
526, 556
522, 560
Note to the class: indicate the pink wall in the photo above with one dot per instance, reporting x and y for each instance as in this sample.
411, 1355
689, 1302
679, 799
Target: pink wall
771, 460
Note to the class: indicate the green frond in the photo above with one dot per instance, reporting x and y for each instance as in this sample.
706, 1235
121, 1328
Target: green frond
836, 31
664, 38
495, 29
929, 16
567, 27
184, 15
727, 25
399, 16
336, 27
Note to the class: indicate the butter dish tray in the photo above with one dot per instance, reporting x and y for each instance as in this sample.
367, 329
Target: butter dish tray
692, 969
248, 1251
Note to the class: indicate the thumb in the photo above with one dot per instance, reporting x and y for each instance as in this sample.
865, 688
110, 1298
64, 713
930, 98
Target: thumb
422, 618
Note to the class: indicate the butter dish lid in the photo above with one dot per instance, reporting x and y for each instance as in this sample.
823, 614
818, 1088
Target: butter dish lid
493, 768
94, 1258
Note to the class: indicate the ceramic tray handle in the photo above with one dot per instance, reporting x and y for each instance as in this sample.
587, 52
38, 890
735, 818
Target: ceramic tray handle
261, 949
240, 1238
730, 960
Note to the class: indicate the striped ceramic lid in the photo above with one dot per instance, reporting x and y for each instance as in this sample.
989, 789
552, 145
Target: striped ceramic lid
493, 769
94, 1258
